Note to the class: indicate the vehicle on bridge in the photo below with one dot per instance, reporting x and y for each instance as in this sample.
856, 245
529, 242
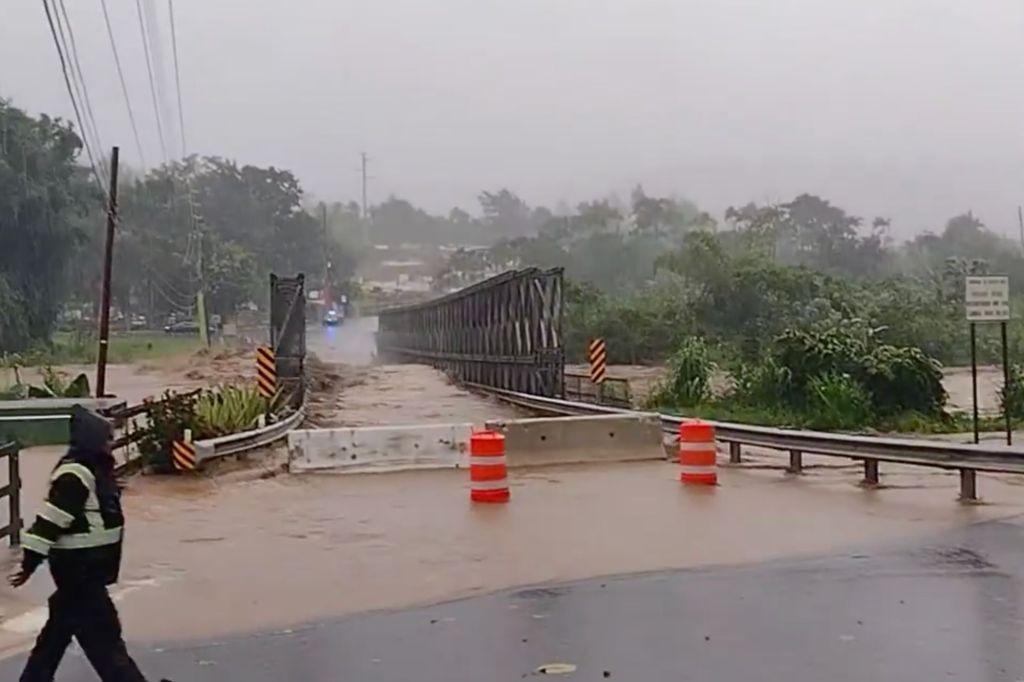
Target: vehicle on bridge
332, 318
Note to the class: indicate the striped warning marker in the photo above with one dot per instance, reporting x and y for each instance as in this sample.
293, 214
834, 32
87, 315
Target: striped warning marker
183, 455
598, 360
266, 372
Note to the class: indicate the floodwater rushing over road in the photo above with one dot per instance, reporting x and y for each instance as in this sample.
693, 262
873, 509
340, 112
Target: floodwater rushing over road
207, 557
255, 550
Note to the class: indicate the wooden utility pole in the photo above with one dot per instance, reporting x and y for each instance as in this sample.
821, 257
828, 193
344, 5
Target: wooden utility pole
1020, 221
326, 296
366, 208
108, 265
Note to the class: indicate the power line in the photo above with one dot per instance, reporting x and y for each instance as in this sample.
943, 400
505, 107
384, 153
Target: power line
124, 86
152, 81
90, 118
71, 95
177, 80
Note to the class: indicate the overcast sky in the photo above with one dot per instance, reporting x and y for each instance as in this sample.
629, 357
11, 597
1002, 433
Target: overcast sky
912, 109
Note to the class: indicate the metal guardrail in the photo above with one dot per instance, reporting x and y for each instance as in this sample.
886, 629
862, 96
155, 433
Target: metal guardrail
12, 491
612, 391
215, 448
968, 459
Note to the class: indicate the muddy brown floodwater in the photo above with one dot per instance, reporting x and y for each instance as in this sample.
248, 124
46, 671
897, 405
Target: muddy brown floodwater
206, 557
402, 394
213, 555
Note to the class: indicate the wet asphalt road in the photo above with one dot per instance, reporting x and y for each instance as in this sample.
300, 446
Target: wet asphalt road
948, 609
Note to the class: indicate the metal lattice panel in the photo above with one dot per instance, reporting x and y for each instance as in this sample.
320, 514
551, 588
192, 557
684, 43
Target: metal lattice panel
505, 332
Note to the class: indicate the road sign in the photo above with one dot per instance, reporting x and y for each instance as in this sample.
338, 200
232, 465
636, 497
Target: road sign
987, 299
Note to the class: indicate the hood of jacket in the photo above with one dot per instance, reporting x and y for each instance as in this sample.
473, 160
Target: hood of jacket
90, 440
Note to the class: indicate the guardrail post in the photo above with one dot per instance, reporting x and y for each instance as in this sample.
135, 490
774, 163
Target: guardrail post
735, 453
796, 462
968, 485
870, 473
14, 499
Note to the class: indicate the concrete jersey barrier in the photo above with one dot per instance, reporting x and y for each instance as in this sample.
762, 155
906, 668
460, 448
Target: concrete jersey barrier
629, 437
380, 448
529, 442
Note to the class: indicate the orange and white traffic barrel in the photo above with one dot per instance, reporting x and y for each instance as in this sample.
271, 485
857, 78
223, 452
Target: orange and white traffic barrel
488, 468
697, 453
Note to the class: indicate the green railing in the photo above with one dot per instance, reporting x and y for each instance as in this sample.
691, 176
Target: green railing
12, 491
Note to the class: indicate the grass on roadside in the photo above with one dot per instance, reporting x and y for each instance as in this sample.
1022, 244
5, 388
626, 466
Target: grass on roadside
78, 349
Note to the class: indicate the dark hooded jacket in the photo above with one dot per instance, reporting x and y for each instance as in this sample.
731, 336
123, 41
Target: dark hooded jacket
80, 526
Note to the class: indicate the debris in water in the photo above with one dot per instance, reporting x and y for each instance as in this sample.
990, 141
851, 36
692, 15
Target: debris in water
556, 669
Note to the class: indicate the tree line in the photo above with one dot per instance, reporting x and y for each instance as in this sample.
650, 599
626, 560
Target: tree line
202, 222
644, 274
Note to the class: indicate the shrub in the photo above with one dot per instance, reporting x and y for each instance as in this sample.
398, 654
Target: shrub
230, 409
837, 401
1011, 397
689, 376
903, 380
166, 421
764, 383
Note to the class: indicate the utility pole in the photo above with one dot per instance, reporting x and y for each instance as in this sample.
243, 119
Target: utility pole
366, 213
1020, 221
108, 265
198, 234
327, 257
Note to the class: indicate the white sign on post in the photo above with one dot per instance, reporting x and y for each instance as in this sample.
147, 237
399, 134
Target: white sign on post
987, 299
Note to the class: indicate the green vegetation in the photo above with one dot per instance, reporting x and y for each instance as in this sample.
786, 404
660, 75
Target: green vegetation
202, 218
207, 414
231, 409
125, 347
818, 318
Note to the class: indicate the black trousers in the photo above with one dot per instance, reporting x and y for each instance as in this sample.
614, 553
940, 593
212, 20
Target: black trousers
87, 614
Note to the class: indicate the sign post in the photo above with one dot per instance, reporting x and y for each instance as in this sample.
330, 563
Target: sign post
986, 300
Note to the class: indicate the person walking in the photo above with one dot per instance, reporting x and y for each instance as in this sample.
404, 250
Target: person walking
80, 530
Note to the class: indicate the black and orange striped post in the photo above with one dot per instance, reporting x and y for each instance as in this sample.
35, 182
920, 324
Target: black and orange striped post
183, 453
266, 372
598, 355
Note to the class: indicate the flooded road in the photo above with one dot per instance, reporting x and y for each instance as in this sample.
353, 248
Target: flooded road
351, 343
212, 558
382, 395
945, 606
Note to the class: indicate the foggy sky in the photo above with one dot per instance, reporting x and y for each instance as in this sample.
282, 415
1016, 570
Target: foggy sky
912, 109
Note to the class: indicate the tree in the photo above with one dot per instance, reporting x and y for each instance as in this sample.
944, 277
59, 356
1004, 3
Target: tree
506, 215
46, 204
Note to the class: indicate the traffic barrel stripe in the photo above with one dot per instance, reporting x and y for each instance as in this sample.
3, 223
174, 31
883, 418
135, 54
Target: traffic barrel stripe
698, 455
488, 468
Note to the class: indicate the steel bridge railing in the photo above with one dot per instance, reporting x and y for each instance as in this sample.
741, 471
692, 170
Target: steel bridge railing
505, 332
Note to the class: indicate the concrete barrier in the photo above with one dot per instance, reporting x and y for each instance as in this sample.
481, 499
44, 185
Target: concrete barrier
529, 442
380, 448
573, 440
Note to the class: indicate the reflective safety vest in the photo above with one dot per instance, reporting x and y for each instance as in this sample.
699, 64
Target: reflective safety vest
96, 533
